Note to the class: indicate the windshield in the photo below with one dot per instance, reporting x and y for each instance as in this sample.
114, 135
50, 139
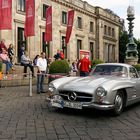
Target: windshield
110, 70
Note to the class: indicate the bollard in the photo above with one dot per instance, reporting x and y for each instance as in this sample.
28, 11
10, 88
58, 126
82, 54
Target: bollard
30, 82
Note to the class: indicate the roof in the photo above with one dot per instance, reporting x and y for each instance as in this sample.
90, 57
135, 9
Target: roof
118, 64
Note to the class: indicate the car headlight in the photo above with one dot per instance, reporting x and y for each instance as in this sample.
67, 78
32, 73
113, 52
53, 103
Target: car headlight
51, 87
51, 90
101, 92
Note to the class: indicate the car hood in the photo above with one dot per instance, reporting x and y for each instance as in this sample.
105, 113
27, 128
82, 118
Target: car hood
84, 84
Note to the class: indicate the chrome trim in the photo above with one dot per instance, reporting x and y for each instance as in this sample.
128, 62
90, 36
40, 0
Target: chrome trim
77, 96
97, 106
93, 105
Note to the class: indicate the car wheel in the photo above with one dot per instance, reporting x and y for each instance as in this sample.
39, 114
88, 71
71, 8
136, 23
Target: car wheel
119, 103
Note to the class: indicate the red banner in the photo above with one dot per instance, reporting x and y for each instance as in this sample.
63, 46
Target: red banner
48, 32
30, 18
69, 25
5, 14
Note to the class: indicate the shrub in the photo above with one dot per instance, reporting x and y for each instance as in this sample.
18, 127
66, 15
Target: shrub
95, 62
59, 66
137, 67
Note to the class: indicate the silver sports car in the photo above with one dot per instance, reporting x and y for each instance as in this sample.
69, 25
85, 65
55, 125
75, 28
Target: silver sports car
109, 86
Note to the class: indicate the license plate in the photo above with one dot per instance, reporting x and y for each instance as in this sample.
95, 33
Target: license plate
72, 105
56, 104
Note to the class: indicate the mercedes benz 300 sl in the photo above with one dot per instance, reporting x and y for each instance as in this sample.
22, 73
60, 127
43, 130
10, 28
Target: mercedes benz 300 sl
109, 86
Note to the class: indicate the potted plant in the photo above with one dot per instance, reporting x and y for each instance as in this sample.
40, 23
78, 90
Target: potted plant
58, 69
95, 62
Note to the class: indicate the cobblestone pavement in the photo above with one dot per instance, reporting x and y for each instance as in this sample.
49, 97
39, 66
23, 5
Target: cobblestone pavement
30, 118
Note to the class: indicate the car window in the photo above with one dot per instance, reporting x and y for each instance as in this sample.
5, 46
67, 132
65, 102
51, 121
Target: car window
133, 73
110, 70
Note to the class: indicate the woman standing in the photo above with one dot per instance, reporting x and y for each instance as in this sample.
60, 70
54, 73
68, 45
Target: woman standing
11, 53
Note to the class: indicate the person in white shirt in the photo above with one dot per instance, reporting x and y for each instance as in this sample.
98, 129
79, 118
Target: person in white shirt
42, 68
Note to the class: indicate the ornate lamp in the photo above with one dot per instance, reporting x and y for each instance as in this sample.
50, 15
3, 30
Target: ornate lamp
131, 52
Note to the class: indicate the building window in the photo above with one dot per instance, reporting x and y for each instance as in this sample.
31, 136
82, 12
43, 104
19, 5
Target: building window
21, 42
64, 46
79, 47
109, 31
64, 17
105, 30
91, 50
45, 46
21, 5
91, 27
79, 21
44, 10
113, 32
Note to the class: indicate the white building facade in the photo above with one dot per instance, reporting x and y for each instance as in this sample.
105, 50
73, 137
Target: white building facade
94, 29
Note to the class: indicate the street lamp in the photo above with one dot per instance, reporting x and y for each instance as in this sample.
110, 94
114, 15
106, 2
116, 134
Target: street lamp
131, 52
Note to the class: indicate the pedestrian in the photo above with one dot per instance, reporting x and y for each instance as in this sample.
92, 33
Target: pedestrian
21, 51
84, 66
42, 68
57, 55
26, 62
11, 53
5, 59
74, 69
62, 55
35, 60
2, 45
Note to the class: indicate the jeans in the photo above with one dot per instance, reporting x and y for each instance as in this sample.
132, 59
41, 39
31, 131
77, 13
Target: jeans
8, 65
40, 81
83, 73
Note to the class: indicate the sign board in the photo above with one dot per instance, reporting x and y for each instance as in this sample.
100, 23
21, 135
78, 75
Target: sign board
83, 53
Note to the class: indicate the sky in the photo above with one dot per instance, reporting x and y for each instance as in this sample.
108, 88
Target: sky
120, 8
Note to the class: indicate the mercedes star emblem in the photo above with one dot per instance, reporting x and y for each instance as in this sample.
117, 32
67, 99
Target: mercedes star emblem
72, 96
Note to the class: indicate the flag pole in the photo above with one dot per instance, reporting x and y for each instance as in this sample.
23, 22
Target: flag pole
35, 28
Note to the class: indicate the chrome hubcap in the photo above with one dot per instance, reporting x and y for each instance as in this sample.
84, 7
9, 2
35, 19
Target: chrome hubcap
118, 102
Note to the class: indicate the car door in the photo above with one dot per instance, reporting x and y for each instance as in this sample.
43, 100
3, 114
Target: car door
136, 81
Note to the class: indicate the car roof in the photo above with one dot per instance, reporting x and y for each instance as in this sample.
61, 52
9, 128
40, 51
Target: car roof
116, 64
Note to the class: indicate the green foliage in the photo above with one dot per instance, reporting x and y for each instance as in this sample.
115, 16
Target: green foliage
0, 66
95, 62
123, 40
137, 67
59, 66
138, 48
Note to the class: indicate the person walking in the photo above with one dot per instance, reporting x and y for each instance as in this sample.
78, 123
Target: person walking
42, 68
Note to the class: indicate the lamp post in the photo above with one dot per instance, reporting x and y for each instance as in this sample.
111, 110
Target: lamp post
131, 52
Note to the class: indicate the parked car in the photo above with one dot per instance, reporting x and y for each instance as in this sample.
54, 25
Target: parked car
109, 86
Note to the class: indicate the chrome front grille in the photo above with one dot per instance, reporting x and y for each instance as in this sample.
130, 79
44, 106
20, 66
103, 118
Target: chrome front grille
75, 96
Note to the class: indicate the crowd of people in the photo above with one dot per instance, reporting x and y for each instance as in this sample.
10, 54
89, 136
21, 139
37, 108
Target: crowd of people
78, 68
6, 56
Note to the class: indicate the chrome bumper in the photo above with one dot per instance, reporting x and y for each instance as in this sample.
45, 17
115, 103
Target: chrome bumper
93, 105
98, 106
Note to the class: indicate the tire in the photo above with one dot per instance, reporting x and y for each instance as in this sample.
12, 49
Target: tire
119, 103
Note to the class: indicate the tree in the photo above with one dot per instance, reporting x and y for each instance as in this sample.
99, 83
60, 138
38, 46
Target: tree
138, 48
123, 40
